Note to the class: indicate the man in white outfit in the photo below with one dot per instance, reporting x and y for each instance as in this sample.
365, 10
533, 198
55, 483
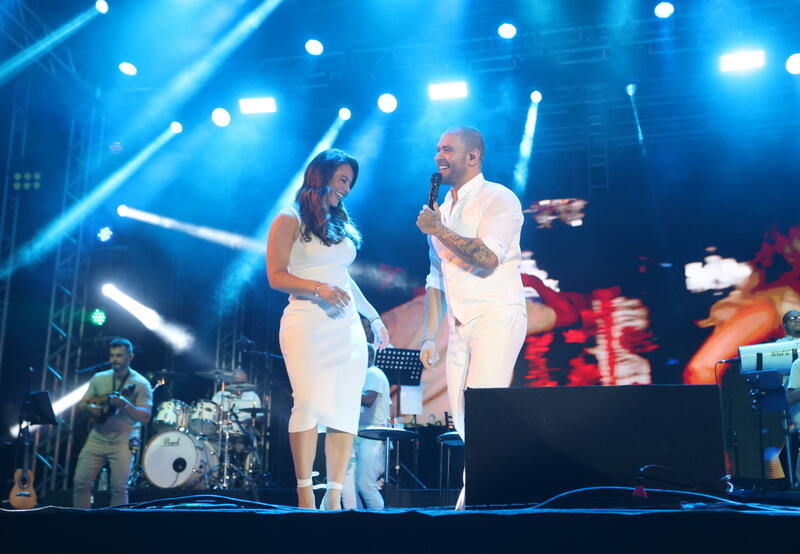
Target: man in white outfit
368, 459
474, 274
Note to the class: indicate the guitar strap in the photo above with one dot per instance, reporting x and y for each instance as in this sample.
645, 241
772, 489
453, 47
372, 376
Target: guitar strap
114, 387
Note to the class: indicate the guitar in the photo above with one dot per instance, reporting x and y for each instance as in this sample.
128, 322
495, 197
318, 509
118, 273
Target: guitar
23, 495
107, 409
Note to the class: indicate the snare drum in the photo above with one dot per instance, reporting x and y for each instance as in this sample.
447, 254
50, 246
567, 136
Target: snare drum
203, 418
175, 459
171, 414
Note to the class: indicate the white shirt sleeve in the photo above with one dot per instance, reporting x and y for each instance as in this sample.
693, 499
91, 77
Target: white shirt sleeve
434, 280
372, 382
501, 221
794, 375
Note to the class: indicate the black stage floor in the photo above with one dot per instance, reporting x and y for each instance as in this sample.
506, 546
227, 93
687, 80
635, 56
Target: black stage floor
208, 524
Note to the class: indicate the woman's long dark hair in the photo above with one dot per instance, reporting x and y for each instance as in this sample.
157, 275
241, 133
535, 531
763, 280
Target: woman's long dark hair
331, 226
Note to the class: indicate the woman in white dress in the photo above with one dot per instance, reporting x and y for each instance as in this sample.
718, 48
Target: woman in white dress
310, 247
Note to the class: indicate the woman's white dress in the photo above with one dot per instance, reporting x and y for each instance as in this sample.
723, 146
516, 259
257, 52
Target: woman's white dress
325, 348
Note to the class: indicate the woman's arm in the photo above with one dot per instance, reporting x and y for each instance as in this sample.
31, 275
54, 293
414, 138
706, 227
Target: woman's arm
284, 231
367, 310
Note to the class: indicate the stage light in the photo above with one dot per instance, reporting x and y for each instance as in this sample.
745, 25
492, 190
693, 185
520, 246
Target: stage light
258, 105
444, 91
231, 240
59, 229
526, 144
507, 30
742, 60
664, 10
630, 89
221, 117
170, 97
793, 64
128, 68
387, 103
116, 147
314, 47
105, 234
97, 317
174, 335
101, 6
345, 113
176, 127
47, 43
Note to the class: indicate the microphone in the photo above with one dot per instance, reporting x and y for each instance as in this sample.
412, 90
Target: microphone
729, 360
96, 367
433, 195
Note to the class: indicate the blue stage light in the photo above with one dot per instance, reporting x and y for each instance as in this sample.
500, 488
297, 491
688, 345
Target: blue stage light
742, 60
387, 103
630, 89
345, 113
128, 68
221, 117
793, 64
507, 30
444, 91
664, 10
314, 47
105, 234
258, 105
536, 97
176, 127
101, 6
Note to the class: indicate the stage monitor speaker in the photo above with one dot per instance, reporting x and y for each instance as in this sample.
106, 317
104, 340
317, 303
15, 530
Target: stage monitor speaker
525, 445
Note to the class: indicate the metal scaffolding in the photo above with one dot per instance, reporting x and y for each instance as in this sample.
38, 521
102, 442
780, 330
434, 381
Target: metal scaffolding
63, 346
15, 158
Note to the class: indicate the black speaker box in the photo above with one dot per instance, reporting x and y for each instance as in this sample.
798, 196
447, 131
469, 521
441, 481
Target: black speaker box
525, 445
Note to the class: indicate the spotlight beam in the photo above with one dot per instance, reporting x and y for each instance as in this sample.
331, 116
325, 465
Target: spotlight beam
174, 335
48, 238
525, 149
631, 89
241, 271
189, 81
225, 238
23, 59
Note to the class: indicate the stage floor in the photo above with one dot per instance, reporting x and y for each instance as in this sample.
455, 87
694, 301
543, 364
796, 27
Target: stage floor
215, 523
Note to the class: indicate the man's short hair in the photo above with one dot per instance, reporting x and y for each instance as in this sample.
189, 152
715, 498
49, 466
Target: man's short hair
119, 341
786, 317
471, 137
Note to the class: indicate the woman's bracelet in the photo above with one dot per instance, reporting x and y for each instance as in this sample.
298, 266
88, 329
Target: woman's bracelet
316, 290
377, 317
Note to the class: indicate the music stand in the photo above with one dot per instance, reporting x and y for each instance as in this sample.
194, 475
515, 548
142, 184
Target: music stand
402, 366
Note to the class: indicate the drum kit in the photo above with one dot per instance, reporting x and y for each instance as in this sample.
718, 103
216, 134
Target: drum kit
209, 443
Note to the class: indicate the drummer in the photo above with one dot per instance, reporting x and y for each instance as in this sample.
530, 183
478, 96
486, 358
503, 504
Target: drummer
238, 396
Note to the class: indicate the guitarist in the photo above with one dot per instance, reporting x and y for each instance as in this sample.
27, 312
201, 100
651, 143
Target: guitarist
119, 400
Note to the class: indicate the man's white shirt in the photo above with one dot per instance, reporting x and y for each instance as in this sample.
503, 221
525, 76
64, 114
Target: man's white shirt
491, 212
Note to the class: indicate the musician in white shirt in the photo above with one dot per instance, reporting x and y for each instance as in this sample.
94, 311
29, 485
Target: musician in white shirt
474, 274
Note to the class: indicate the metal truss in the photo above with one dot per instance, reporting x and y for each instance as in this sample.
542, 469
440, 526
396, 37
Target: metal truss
67, 318
21, 25
15, 158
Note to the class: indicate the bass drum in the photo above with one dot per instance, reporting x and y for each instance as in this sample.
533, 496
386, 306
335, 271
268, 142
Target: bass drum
175, 459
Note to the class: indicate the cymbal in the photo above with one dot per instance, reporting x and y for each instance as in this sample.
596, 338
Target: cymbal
252, 411
162, 374
216, 374
239, 388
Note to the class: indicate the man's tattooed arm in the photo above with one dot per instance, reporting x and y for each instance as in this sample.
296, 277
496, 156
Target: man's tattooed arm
471, 250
